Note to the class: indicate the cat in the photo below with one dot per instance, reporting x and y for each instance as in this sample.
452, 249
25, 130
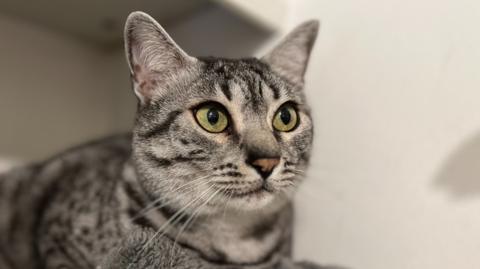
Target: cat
206, 177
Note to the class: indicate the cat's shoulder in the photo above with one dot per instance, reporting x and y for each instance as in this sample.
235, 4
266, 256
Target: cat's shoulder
116, 146
94, 154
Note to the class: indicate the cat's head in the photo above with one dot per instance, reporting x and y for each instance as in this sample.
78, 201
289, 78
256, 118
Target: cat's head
219, 133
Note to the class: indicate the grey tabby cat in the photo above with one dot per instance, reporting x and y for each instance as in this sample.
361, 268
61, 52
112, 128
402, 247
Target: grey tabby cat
205, 180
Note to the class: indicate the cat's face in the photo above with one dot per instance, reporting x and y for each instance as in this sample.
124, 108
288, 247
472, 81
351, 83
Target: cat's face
219, 134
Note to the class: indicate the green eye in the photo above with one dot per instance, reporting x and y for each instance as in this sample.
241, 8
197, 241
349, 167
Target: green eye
286, 118
212, 118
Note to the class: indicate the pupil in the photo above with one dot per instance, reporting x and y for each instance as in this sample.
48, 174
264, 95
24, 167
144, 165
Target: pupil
212, 116
285, 116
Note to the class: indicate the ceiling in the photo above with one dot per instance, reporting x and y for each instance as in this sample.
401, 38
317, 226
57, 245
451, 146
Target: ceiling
97, 21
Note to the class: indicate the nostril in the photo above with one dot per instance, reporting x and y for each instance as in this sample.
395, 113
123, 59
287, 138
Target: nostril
265, 166
263, 174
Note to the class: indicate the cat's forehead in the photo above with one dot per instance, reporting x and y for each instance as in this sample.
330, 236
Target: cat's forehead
248, 83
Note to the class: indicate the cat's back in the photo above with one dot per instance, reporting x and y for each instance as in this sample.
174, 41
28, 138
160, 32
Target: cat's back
31, 197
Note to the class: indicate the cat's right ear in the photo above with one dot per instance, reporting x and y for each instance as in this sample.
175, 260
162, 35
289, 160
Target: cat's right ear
153, 57
290, 57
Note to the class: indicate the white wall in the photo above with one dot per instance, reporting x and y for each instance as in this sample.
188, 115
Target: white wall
52, 92
395, 178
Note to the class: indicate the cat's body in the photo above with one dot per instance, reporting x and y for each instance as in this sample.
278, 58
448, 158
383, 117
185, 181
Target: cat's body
218, 149
67, 210
73, 209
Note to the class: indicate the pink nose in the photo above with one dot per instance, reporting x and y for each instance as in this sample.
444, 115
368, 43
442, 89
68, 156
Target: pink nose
265, 166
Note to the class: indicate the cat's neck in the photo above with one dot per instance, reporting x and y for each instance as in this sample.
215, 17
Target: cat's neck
243, 237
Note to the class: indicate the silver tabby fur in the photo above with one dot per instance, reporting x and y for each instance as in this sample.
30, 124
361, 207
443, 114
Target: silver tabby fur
171, 195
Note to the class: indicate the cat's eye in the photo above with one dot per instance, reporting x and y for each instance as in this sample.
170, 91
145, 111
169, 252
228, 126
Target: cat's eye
286, 118
212, 117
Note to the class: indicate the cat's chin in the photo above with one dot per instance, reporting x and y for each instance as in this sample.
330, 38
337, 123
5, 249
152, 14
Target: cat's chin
256, 200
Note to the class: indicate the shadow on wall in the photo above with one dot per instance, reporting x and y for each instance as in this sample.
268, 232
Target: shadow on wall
460, 174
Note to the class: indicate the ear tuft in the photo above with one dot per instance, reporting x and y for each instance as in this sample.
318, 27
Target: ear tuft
153, 57
290, 58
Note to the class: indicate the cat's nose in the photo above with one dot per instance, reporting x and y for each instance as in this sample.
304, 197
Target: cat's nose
264, 166
262, 151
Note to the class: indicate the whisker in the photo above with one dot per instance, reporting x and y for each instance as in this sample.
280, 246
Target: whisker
286, 179
287, 184
153, 205
175, 218
294, 171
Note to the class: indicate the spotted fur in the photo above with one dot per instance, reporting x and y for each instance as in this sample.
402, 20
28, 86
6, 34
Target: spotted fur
195, 192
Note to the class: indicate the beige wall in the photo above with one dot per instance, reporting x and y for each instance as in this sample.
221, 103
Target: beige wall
395, 178
52, 92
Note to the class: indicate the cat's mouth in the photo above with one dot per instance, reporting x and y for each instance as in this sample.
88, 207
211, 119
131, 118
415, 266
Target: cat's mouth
259, 191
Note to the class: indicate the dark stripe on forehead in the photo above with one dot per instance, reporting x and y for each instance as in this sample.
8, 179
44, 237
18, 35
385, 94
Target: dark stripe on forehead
260, 88
264, 72
233, 69
250, 85
163, 127
271, 85
226, 89
254, 88
223, 74
275, 90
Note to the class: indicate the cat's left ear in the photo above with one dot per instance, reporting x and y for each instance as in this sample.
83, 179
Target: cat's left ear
153, 57
290, 58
